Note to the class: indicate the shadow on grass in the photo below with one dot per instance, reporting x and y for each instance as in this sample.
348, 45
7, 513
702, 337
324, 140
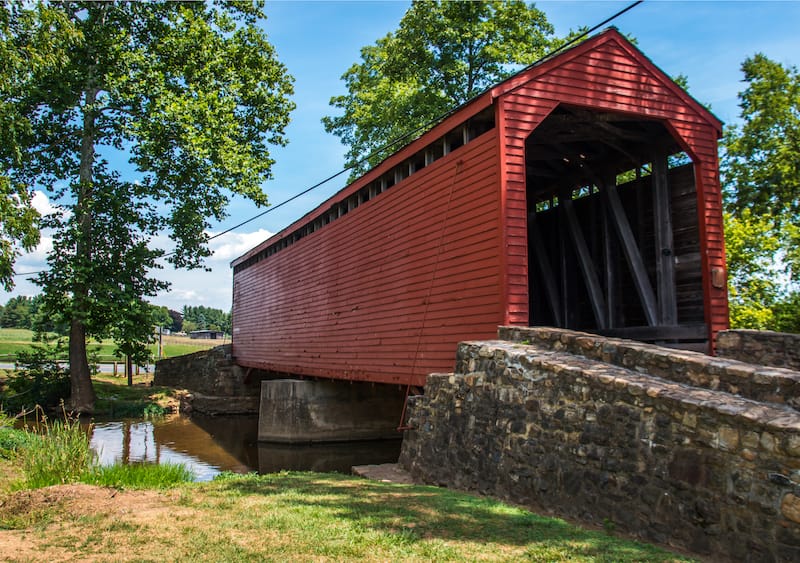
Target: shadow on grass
419, 513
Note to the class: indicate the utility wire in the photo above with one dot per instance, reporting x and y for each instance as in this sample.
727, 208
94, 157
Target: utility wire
426, 126
429, 124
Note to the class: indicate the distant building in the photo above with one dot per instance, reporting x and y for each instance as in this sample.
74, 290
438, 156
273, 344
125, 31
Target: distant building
207, 334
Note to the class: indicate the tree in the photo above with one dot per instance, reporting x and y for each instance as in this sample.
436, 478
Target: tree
160, 316
177, 321
761, 161
442, 54
206, 318
33, 42
18, 312
760, 169
193, 96
752, 281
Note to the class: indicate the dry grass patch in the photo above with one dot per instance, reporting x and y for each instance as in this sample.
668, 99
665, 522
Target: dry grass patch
296, 517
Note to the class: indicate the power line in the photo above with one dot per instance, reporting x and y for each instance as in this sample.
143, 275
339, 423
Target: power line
430, 123
426, 126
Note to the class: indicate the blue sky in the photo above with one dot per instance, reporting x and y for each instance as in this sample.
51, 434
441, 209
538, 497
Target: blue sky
318, 41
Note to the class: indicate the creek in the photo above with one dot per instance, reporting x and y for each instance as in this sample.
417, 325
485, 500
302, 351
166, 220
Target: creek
210, 445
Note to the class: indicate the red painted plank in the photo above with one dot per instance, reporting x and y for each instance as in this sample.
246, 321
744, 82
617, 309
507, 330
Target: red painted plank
374, 296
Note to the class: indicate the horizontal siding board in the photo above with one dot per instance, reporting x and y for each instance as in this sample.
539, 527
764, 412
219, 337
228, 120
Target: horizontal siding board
374, 296
609, 78
366, 287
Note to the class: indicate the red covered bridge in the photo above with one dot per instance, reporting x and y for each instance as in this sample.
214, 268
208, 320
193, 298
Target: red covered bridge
582, 193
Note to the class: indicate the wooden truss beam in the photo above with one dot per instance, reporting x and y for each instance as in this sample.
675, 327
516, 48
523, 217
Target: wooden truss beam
544, 266
665, 256
586, 263
632, 254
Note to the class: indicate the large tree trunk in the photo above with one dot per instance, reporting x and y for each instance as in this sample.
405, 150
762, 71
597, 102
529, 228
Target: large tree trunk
82, 396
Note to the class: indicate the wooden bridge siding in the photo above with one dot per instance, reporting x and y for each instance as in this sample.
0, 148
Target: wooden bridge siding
610, 76
354, 307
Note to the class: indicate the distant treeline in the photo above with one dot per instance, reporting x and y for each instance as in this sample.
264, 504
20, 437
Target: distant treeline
26, 312
205, 318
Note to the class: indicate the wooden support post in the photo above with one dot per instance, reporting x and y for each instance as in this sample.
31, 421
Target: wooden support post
632, 254
665, 256
567, 293
587, 265
610, 258
544, 266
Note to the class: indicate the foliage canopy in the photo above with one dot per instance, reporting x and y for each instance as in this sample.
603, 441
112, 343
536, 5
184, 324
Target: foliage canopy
761, 179
33, 42
442, 55
193, 95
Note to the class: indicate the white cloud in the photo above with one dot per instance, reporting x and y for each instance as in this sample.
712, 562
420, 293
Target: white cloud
232, 245
211, 288
41, 203
38, 256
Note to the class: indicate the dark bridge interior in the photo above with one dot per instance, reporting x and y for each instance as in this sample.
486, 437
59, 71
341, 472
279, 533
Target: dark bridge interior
613, 236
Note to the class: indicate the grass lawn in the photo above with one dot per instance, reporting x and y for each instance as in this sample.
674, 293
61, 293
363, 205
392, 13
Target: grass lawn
116, 399
293, 517
12, 340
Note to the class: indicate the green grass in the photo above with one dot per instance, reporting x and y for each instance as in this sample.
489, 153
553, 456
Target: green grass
138, 476
292, 516
57, 454
14, 340
315, 517
116, 399
11, 441
312, 516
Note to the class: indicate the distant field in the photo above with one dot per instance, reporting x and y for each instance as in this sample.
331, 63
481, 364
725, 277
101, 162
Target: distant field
12, 340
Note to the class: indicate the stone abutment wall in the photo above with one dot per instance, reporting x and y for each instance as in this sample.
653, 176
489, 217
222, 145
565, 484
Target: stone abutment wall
216, 384
765, 347
674, 447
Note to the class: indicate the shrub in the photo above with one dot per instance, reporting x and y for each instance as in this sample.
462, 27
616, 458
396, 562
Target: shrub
39, 380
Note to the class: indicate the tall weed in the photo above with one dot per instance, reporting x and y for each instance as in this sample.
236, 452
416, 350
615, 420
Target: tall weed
11, 439
60, 455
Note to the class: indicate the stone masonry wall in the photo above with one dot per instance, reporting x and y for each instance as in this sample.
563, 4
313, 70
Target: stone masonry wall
765, 347
697, 468
217, 385
758, 382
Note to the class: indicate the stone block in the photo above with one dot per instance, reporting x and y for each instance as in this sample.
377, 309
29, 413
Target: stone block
790, 507
593, 439
303, 411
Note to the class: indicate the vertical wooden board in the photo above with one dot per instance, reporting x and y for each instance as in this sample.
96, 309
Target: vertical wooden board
519, 114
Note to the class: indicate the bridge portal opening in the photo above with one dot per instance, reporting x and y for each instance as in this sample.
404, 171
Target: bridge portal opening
613, 237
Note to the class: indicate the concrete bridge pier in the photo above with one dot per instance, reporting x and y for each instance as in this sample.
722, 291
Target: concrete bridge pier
303, 411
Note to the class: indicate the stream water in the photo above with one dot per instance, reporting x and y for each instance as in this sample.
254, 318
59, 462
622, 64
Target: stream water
210, 445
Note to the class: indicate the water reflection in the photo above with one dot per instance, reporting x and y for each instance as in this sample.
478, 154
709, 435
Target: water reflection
210, 445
